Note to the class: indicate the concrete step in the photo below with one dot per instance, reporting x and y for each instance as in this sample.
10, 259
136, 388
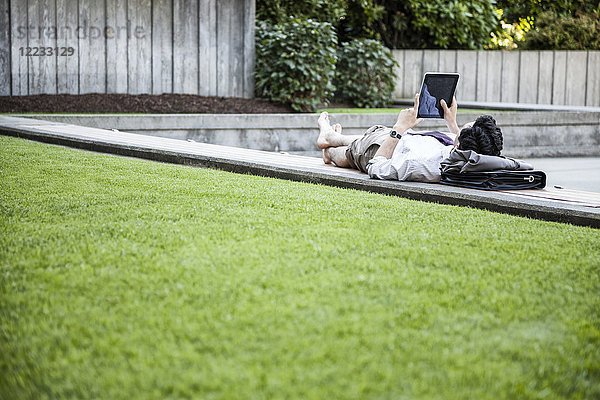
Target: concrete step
579, 208
526, 134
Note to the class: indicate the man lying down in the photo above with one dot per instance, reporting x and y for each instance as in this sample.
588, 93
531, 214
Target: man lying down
400, 153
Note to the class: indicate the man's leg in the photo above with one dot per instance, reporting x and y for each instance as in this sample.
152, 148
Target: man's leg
333, 143
336, 155
330, 136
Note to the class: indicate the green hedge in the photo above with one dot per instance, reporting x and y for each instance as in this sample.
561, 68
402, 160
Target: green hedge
567, 32
295, 63
451, 24
365, 73
464, 24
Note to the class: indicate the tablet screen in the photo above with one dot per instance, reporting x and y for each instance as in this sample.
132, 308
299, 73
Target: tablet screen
436, 87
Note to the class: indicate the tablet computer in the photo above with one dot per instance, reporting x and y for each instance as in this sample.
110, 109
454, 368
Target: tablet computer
435, 87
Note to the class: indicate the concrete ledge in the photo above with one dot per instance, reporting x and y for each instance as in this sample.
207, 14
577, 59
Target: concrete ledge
513, 106
584, 211
526, 134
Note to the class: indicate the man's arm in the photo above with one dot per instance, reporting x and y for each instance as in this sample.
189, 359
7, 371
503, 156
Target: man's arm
407, 119
450, 115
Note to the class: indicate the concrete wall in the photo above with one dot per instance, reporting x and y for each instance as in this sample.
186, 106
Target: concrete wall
533, 77
201, 47
526, 134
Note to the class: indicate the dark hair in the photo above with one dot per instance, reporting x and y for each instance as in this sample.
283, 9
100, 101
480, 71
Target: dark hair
484, 137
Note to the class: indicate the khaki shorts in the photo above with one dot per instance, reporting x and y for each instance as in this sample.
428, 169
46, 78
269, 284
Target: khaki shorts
362, 150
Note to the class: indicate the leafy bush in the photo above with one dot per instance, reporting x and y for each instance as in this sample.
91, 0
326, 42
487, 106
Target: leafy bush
551, 25
515, 10
295, 62
454, 24
351, 18
556, 32
279, 11
365, 73
509, 35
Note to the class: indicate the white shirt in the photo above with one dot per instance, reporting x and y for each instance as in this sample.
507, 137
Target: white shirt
415, 158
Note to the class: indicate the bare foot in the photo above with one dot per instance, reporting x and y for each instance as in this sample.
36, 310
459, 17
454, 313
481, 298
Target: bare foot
323, 119
326, 130
326, 158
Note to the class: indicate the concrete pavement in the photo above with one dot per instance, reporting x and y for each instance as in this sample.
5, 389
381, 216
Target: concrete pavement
577, 173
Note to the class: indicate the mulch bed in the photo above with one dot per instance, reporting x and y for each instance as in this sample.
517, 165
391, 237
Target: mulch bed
142, 103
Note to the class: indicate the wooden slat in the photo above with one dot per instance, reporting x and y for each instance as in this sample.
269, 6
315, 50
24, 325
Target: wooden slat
559, 80
399, 74
47, 39
204, 44
248, 34
482, 70
413, 72
431, 61
510, 77
162, 46
545, 78
212, 52
185, 46
494, 76
447, 61
466, 66
116, 46
33, 41
593, 79
139, 47
5, 49
224, 10
67, 67
575, 91
19, 43
528, 76
236, 44
92, 47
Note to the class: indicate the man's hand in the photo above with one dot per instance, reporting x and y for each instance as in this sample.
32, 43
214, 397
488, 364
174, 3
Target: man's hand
450, 115
407, 118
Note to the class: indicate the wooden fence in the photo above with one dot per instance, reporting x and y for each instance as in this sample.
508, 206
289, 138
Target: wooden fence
201, 47
206, 47
536, 77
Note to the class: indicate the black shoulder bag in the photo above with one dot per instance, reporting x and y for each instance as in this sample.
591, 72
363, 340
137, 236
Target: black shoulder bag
496, 180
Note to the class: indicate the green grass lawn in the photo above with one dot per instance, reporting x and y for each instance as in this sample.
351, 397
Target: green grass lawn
129, 279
